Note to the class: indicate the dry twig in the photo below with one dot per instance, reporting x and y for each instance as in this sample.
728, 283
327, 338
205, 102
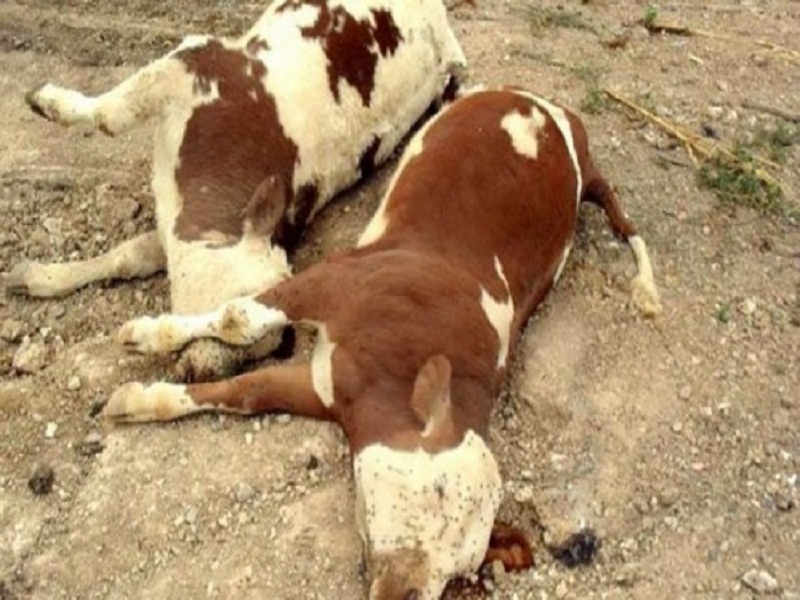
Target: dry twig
783, 52
699, 148
777, 112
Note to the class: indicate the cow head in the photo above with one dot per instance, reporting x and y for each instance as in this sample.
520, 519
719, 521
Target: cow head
426, 516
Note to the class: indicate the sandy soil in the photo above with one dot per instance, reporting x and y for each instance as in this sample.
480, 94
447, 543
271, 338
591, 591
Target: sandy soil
677, 440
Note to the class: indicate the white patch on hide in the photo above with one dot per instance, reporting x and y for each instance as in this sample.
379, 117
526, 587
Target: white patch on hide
561, 120
563, 263
379, 221
443, 504
332, 136
524, 131
322, 366
499, 314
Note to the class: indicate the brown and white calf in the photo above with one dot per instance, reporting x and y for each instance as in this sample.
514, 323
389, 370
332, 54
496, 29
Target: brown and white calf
255, 135
415, 326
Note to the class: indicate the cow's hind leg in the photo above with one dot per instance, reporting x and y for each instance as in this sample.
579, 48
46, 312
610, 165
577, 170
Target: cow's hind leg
284, 387
144, 94
644, 292
140, 257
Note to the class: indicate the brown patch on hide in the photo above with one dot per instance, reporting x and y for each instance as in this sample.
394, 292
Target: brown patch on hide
352, 46
230, 146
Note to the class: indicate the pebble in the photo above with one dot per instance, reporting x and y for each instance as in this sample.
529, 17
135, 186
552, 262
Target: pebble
748, 306
74, 383
685, 393
715, 112
243, 492
92, 444
760, 581
50, 430
561, 589
283, 419
12, 330
30, 357
784, 502
41, 482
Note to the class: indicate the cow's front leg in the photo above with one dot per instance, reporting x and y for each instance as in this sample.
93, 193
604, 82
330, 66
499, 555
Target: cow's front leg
276, 388
240, 322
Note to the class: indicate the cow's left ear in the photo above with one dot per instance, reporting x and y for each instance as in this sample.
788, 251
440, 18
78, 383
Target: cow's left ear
430, 399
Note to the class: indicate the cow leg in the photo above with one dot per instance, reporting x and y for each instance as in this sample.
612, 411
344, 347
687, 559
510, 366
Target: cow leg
239, 322
144, 94
140, 257
644, 292
210, 360
276, 388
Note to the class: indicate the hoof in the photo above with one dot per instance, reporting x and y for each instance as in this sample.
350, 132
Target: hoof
33, 100
118, 406
16, 281
645, 297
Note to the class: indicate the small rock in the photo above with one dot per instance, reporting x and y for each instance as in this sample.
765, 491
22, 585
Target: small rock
760, 581
685, 393
74, 383
677, 427
283, 419
92, 444
50, 430
498, 571
30, 357
248, 438
190, 516
579, 549
56, 312
784, 502
748, 306
561, 589
243, 492
41, 482
12, 330
715, 112
313, 463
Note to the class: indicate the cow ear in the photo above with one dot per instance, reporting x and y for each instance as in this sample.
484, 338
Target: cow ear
431, 397
266, 206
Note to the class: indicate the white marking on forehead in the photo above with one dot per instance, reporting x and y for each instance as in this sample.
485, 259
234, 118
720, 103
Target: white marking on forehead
563, 262
524, 131
443, 504
561, 120
322, 366
499, 314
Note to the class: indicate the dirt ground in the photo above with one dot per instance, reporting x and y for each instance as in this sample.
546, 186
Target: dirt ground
676, 440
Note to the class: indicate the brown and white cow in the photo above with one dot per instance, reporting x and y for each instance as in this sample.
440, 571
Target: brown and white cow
255, 135
414, 328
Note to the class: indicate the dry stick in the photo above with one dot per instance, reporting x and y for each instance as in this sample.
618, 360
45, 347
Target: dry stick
785, 115
782, 51
697, 145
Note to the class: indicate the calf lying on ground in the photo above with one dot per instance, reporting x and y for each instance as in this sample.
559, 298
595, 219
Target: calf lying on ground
414, 328
254, 136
